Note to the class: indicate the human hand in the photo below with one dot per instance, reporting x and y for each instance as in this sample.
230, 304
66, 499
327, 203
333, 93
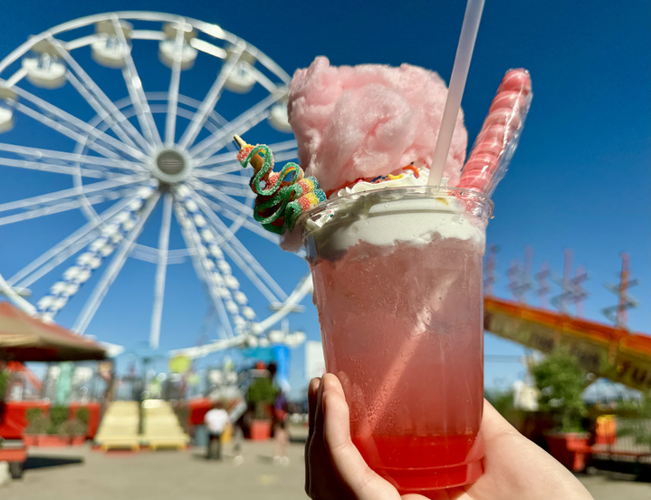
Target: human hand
514, 467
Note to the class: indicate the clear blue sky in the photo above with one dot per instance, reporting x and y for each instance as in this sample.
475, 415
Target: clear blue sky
581, 178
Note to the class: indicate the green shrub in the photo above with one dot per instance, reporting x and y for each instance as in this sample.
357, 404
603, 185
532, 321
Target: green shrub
58, 415
502, 401
561, 381
32, 413
40, 424
73, 427
83, 415
4, 382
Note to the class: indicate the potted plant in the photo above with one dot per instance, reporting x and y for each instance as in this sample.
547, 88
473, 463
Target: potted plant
53, 438
37, 425
74, 430
561, 381
83, 415
44, 430
261, 395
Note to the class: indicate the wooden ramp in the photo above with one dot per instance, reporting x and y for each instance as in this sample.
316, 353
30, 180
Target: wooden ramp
119, 427
161, 427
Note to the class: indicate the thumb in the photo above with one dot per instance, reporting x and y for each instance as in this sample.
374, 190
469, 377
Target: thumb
345, 457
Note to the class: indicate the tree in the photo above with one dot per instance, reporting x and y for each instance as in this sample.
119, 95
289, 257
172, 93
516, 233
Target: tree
561, 381
261, 395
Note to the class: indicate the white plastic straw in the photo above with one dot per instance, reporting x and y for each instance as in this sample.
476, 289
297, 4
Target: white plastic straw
465, 48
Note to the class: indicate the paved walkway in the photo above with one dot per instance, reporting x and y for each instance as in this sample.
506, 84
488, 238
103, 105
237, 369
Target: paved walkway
83, 474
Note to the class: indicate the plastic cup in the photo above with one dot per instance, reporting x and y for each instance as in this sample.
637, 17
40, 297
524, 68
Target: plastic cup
398, 286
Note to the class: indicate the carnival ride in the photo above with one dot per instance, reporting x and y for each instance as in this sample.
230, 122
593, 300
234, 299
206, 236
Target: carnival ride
611, 352
122, 165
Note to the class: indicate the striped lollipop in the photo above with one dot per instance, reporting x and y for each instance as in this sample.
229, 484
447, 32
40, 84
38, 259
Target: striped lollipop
499, 135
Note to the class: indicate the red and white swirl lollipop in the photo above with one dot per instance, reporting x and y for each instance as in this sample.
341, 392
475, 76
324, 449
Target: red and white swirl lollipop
499, 135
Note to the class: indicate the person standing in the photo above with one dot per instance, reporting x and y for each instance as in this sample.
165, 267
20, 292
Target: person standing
281, 443
215, 420
238, 439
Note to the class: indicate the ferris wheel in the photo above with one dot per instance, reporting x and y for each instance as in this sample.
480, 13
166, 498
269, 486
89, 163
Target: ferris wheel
132, 154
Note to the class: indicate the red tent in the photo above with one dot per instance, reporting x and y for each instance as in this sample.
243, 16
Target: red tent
24, 338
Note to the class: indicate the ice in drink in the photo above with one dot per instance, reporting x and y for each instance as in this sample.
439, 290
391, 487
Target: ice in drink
398, 286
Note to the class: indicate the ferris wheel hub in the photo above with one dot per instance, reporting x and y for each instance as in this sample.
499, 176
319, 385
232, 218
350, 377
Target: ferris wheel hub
171, 165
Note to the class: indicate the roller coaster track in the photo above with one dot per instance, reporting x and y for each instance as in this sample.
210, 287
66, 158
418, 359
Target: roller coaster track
609, 352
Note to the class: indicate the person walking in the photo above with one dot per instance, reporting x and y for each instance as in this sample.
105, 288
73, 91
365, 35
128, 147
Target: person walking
215, 420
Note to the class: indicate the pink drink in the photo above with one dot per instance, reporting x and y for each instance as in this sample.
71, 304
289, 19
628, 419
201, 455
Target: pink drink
398, 286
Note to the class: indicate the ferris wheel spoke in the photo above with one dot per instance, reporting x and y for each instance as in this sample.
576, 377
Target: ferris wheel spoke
247, 120
254, 227
107, 279
136, 92
222, 233
112, 123
72, 133
243, 191
99, 163
66, 248
16, 77
215, 193
189, 232
98, 100
62, 256
56, 169
161, 269
304, 287
251, 225
211, 99
239, 254
53, 209
72, 126
71, 192
228, 157
173, 92
215, 173
239, 180
262, 79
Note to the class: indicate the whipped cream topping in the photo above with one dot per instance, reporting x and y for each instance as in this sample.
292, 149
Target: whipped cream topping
387, 217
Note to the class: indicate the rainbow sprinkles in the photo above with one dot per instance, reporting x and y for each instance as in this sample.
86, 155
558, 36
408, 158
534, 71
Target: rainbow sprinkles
281, 196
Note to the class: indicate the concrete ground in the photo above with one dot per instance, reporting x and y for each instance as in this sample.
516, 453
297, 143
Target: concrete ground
85, 474
615, 486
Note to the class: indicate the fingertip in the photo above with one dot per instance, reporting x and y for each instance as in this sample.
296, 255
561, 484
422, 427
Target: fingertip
335, 402
312, 400
313, 387
336, 426
332, 383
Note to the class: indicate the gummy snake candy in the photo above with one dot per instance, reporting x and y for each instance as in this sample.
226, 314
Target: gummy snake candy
282, 196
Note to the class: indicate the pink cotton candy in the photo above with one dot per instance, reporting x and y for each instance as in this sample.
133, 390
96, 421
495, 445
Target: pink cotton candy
369, 120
